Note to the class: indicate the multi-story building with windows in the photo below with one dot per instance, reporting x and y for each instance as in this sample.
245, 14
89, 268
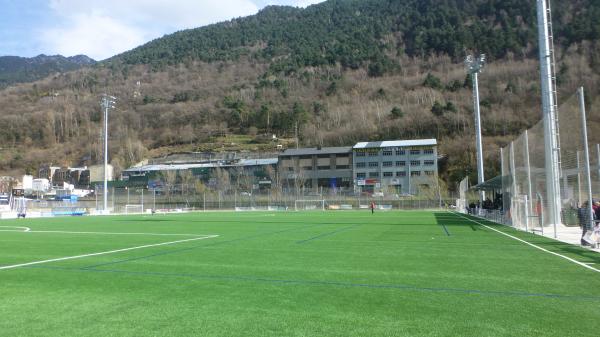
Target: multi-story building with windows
400, 166
316, 167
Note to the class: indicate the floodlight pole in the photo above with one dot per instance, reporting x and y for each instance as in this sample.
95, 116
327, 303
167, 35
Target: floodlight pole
549, 107
474, 67
107, 103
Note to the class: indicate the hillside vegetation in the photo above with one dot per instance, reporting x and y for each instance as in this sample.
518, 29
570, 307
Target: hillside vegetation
14, 69
341, 71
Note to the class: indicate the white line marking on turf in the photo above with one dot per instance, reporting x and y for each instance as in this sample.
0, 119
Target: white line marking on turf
531, 244
23, 229
114, 233
105, 253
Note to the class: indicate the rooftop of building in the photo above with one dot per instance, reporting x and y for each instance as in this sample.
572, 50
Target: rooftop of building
396, 143
316, 151
235, 163
204, 157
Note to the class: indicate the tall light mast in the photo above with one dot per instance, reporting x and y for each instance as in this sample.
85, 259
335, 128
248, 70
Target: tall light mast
108, 102
549, 107
474, 67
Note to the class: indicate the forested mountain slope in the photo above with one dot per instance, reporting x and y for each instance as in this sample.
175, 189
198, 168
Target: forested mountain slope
342, 71
14, 69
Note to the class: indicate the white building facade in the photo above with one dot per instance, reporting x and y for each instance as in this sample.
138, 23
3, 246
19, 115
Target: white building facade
400, 167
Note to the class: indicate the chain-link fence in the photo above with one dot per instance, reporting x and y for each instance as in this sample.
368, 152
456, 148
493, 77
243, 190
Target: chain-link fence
525, 198
182, 197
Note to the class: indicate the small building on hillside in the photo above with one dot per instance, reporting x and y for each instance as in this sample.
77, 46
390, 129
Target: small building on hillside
47, 172
80, 177
39, 186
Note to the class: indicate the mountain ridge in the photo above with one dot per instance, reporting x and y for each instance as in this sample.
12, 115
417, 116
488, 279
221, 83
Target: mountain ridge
17, 69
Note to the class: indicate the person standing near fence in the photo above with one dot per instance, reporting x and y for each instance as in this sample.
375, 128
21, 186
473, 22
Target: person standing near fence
372, 207
583, 216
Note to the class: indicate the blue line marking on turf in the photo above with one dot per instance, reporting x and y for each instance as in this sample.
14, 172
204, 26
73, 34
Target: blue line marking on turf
327, 234
445, 229
194, 247
332, 283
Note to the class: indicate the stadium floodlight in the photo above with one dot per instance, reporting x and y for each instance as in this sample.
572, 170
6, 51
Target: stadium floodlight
108, 102
550, 112
474, 67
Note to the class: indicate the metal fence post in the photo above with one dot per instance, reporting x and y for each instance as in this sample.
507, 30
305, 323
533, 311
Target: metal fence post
513, 175
598, 158
526, 213
527, 162
587, 157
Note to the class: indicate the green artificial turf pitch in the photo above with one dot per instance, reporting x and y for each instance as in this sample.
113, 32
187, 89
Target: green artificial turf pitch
291, 274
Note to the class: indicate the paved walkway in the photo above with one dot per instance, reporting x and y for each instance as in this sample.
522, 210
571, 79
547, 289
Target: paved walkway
567, 234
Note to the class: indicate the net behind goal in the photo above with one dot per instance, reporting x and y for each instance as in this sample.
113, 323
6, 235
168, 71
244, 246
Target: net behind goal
309, 205
134, 209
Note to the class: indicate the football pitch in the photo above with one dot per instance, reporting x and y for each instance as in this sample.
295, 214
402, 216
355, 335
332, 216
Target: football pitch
347, 273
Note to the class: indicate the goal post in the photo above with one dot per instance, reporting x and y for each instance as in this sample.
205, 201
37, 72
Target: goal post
134, 209
309, 205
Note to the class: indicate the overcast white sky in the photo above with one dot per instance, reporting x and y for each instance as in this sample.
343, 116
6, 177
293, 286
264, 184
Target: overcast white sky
103, 28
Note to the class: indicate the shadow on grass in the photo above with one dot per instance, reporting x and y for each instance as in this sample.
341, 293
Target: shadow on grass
575, 252
448, 220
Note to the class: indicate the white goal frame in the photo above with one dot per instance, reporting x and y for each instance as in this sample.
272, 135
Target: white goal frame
319, 204
137, 209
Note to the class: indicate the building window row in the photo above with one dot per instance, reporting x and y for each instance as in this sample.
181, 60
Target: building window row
361, 165
373, 164
428, 162
361, 175
401, 163
389, 152
415, 162
388, 164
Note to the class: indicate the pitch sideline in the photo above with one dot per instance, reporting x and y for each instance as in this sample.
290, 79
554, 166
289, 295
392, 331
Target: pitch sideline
24, 229
105, 252
530, 244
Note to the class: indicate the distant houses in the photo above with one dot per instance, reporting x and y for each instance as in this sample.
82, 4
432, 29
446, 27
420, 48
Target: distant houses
80, 177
